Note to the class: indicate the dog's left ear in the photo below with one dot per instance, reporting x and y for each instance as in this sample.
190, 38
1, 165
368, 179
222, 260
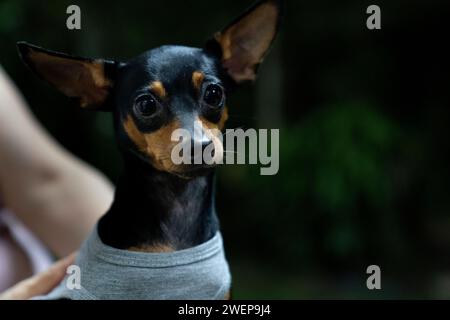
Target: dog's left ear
87, 80
245, 42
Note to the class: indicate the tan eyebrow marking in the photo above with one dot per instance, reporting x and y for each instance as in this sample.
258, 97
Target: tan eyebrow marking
158, 88
197, 79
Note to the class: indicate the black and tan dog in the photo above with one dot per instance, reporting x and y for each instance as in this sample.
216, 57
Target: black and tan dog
160, 207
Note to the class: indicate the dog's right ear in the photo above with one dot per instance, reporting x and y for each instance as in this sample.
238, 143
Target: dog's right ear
87, 80
244, 43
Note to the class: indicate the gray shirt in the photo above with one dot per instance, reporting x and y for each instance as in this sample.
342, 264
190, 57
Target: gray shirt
199, 273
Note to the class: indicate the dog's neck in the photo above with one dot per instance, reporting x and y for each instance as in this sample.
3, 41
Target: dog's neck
155, 211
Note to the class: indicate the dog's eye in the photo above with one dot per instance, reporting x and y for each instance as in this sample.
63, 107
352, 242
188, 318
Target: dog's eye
146, 105
213, 95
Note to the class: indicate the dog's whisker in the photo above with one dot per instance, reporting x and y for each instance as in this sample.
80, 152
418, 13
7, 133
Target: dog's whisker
232, 131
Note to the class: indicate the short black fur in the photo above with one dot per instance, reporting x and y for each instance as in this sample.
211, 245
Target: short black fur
153, 207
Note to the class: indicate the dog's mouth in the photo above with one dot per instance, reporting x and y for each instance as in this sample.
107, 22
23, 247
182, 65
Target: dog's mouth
184, 170
193, 171
195, 166
193, 162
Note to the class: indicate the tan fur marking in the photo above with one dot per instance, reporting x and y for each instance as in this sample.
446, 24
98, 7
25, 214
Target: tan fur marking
197, 79
245, 43
81, 79
225, 42
134, 134
157, 248
213, 132
159, 146
156, 145
157, 88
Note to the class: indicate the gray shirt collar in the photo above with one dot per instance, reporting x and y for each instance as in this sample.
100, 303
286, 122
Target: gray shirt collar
200, 272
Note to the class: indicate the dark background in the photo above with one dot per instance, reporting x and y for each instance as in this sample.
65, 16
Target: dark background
364, 122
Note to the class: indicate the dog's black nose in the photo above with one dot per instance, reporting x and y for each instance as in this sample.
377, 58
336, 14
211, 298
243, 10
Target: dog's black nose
198, 150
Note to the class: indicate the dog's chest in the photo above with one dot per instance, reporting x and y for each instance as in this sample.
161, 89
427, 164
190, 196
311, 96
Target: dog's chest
107, 273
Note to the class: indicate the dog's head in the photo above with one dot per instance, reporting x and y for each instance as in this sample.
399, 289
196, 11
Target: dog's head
167, 88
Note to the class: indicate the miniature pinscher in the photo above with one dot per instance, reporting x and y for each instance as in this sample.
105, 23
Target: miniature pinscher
160, 207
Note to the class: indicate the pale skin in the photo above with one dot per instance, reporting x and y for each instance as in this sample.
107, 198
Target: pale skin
40, 284
57, 196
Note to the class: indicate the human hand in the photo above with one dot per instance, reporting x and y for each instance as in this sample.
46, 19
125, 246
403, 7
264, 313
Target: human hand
41, 283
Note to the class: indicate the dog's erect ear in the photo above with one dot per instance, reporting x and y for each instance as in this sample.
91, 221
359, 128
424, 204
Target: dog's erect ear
246, 41
87, 80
